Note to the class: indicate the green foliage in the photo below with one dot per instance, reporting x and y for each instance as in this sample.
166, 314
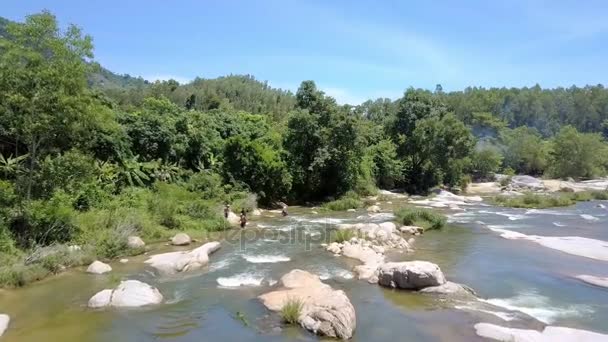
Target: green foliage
532, 200
485, 162
578, 155
45, 222
343, 235
425, 218
291, 310
540, 201
259, 166
525, 151
349, 201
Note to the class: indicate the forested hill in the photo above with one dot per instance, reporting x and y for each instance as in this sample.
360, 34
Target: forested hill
546, 110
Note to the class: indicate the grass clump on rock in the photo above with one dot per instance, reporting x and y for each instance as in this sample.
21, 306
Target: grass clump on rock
425, 218
349, 201
541, 201
290, 313
343, 235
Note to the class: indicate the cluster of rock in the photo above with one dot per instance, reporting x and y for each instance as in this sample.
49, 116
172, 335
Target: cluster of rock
369, 246
4, 321
183, 261
446, 199
129, 293
325, 311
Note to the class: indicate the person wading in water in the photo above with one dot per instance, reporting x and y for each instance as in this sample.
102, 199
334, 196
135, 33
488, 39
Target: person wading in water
226, 210
243, 218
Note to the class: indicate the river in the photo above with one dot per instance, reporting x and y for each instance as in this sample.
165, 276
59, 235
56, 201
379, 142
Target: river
525, 283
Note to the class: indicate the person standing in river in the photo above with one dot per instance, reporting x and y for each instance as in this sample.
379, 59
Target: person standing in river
243, 218
226, 210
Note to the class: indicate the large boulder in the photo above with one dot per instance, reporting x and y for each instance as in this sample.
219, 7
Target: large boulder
183, 261
129, 293
135, 242
410, 275
325, 311
4, 321
526, 183
181, 239
98, 267
549, 334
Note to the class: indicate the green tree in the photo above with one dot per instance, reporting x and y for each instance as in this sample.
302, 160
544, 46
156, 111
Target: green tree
44, 100
524, 151
259, 166
578, 155
485, 162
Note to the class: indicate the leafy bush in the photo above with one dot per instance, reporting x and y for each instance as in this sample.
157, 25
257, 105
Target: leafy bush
485, 162
349, 201
540, 201
424, 218
291, 310
532, 200
45, 222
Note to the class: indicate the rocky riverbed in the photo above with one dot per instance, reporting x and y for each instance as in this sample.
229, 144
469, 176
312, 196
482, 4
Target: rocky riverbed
492, 274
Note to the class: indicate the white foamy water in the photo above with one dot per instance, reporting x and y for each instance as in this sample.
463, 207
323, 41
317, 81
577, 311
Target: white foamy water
575, 245
510, 216
539, 307
558, 224
265, 259
219, 264
327, 220
548, 212
505, 316
243, 279
326, 274
589, 217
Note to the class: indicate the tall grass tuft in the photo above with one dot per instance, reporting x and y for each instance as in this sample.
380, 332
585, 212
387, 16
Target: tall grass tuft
291, 310
425, 218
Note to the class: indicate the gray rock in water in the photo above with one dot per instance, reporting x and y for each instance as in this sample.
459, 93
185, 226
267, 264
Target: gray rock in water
527, 183
98, 267
325, 311
181, 239
4, 321
174, 262
129, 293
135, 242
549, 334
410, 275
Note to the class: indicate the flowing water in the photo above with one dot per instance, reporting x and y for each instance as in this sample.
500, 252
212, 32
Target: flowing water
520, 283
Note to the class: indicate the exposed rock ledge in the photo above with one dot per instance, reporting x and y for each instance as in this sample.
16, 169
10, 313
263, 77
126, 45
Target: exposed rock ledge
549, 334
325, 311
593, 280
130, 293
183, 261
4, 321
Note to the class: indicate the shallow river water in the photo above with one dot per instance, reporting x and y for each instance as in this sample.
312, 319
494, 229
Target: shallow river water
519, 282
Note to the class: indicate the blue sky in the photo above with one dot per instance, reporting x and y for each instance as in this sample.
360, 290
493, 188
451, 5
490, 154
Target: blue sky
354, 50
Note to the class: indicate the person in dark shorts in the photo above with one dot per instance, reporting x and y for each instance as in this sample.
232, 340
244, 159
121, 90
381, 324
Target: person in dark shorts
226, 210
243, 218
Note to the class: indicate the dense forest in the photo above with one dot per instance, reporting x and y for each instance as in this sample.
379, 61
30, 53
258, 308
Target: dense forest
88, 155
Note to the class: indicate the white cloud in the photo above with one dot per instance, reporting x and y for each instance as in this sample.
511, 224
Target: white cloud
179, 79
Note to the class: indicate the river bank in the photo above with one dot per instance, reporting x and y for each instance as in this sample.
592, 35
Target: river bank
519, 283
